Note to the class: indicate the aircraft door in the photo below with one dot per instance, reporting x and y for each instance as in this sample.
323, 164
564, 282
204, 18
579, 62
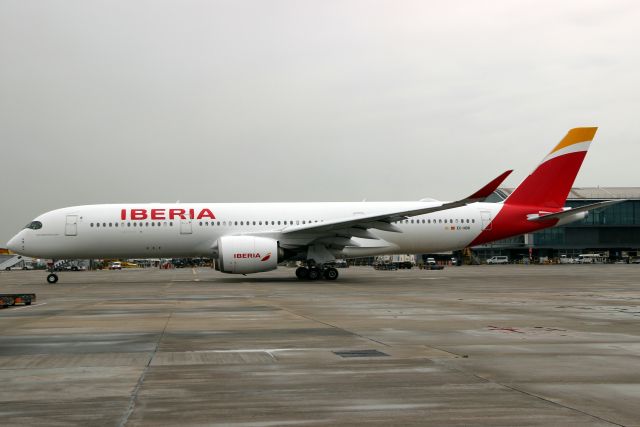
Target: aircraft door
185, 226
71, 226
485, 217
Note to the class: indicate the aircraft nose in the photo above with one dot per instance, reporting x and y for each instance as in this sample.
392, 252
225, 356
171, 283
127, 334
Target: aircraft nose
14, 244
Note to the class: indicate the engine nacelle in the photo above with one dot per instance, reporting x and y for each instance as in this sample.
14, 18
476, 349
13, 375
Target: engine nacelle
572, 218
246, 254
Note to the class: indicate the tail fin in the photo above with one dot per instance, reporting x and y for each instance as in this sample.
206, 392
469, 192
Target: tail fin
549, 185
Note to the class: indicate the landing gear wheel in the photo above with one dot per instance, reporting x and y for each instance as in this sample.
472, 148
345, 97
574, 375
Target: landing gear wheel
52, 278
314, 273
331, 273
302, 273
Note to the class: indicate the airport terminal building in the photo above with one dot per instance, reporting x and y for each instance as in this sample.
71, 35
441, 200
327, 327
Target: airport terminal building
613, 231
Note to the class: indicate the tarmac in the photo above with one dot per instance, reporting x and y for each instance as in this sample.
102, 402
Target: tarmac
473, 345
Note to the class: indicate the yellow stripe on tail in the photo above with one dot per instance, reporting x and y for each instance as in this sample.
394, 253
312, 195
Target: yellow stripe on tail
576, 136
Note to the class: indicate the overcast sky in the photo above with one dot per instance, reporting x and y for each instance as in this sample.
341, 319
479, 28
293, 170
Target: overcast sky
137, 101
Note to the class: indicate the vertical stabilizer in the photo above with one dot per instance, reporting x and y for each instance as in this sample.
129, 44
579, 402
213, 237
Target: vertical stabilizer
549, 185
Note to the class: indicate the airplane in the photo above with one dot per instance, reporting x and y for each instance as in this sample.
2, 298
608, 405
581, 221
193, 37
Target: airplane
245, 238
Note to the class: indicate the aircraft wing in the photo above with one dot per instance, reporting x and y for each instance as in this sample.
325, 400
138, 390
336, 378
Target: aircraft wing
570, 212
357, 226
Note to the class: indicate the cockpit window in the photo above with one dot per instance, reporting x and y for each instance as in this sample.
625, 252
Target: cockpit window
34, 225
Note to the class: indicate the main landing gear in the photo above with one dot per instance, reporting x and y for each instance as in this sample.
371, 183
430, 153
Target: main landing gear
316, 273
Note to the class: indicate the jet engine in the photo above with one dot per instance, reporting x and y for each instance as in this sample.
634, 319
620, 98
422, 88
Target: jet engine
246, 254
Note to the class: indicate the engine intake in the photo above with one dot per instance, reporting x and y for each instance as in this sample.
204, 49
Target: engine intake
247, 254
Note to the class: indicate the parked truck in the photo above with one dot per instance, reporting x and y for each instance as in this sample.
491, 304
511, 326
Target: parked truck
394, 262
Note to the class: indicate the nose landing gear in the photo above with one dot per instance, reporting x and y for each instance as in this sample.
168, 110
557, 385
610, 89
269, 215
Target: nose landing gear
52, 277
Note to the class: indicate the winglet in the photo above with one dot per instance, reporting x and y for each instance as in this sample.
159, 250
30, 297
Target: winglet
486, 191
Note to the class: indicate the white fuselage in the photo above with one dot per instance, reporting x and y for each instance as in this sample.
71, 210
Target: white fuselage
191, 229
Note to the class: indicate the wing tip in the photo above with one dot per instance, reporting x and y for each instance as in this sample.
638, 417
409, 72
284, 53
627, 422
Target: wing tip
488, 189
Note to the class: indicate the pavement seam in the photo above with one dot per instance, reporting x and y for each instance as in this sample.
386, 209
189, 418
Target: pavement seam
140, 382
535, 396
544, 399
332, 326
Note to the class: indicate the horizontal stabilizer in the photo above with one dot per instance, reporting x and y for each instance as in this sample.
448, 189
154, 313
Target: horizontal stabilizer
570, 212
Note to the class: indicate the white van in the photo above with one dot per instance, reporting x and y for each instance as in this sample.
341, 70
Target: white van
591, 259
564, 259
500, 259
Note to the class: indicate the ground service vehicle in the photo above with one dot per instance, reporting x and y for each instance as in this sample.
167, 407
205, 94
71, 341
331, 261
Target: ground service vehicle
591, 259
7, 300
431, 264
